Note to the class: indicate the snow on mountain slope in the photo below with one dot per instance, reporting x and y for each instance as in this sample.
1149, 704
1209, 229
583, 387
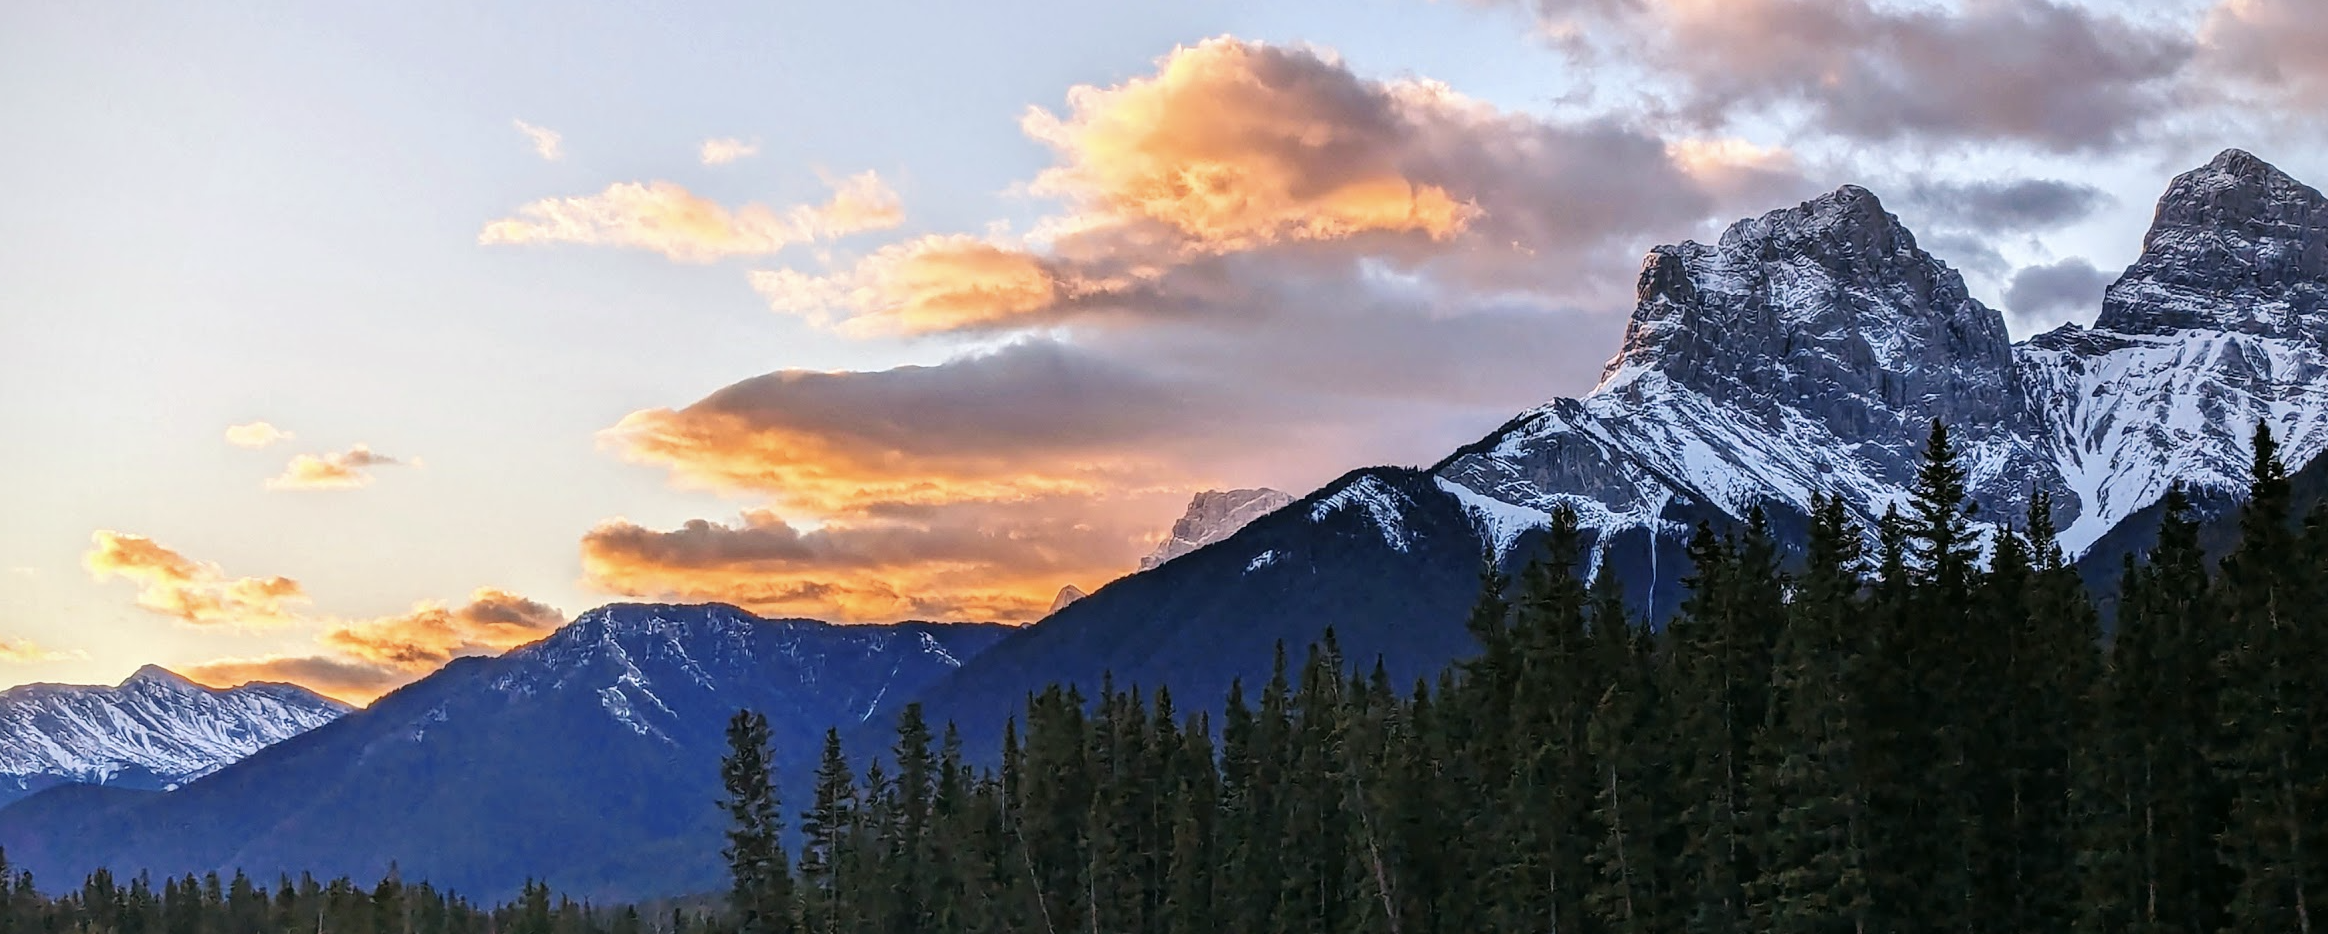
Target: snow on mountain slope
2218, 326
1807, 351
154, 730
1810, 349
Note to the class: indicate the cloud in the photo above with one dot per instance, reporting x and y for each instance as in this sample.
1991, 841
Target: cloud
28, 652
961, 562
1263, 269
1235, 152
2056, 75
2051, 292
255, 435
350, 680
546, 142
341, 470
2002, 206
2281, 45
366, 658
666, 218
191, 591
433, 633
1031, 419
724, 151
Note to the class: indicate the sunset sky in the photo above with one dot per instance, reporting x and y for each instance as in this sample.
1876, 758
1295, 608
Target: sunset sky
337, 340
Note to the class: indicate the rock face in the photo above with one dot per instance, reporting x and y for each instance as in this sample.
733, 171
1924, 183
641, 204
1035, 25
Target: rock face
1807, 352
2238, 247
153, 731
1214, 515
2216, 328
589, 759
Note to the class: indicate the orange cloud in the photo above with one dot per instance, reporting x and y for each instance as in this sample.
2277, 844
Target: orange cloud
668, 219
28, 652
367, 658
342, 470
1026, 421
351, 681
255, 435
935, 283
433, 634
1237, 153
963, 562
1235, 144
191, 591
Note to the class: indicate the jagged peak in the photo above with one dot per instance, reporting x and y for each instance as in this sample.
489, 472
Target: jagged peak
2236, 245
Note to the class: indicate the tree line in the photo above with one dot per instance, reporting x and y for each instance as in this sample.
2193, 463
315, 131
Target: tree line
1915, 727
211, 905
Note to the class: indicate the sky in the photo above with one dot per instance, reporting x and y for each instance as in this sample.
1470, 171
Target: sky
340, 340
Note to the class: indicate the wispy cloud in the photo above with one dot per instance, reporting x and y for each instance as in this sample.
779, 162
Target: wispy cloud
666, 218
547, 143
195, 592
338, 470
28, 652
255, 435
724, 151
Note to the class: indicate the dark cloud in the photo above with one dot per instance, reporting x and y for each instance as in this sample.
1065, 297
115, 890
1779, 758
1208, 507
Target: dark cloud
2007, 206
2053, 292
2053, 74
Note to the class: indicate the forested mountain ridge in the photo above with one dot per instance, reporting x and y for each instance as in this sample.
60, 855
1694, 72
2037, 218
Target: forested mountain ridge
1903, 738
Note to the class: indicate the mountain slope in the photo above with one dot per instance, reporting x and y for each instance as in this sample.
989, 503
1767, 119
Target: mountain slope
154, 730
589, 759
1806, 351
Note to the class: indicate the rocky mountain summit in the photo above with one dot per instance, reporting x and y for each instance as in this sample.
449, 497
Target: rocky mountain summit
1214, 515
154, 730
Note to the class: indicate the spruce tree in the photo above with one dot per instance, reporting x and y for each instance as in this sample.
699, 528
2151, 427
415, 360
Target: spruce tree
760, 890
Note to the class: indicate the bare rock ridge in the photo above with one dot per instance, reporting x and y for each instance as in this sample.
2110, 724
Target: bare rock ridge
1214, 515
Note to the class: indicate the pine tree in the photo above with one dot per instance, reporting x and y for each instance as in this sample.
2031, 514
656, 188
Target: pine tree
1811, 842
2270, 841
760, 891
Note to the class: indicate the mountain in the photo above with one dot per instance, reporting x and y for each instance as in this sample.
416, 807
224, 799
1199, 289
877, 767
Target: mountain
589, 759
153, 731
1806, 351
1214, 515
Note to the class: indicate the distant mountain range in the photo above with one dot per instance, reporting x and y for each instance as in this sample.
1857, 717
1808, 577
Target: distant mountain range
590, 758
152, 732
1805, 351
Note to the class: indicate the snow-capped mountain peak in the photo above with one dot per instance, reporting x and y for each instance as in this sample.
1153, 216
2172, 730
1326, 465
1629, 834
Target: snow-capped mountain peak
1809, 350
154, 730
